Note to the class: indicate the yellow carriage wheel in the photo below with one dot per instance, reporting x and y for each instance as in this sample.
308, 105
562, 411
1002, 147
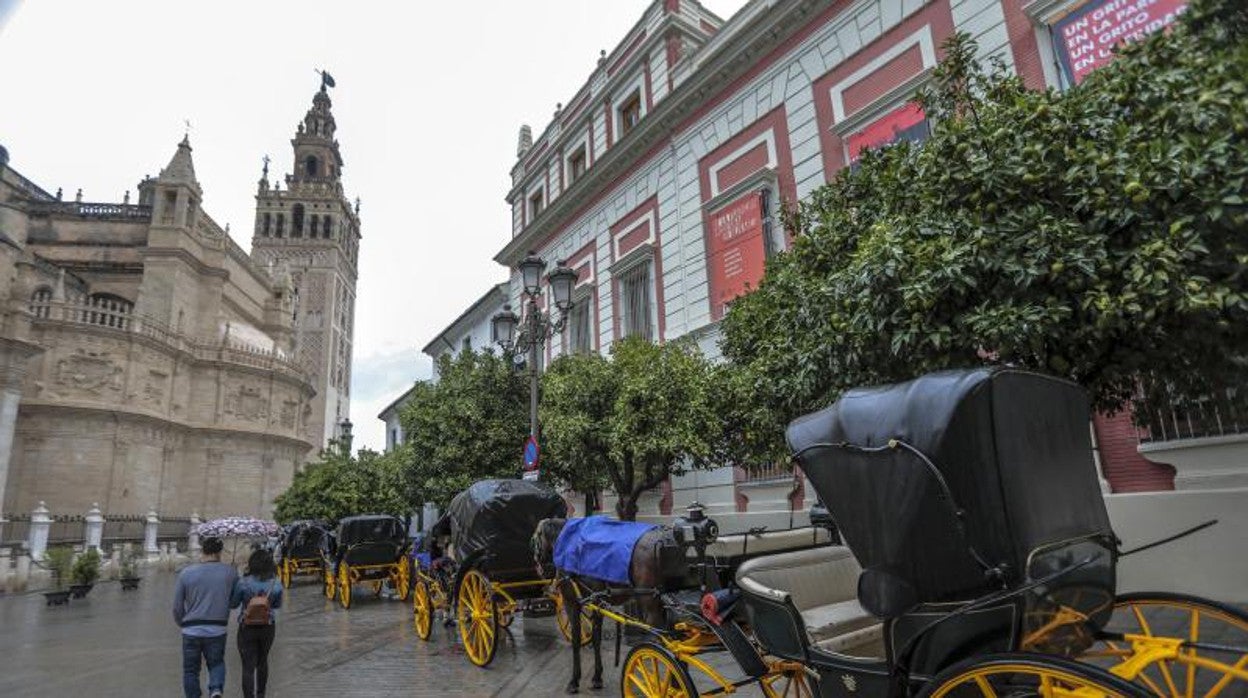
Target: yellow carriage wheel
565, 623
477, 618
652, 672
402, 579
328, 585
1198, 671
1030, 675
344, 585
787, 680
422, 610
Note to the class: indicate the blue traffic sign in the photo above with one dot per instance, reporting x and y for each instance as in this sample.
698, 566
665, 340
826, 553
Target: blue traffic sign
532, 453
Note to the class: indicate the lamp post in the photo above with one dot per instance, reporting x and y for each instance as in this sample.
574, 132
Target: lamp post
536, 326
344, 435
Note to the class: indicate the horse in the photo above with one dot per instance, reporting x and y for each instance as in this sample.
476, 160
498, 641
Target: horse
645, 570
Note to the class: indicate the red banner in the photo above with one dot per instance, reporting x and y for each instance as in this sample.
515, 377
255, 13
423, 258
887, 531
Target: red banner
1086, 38
888, 129
735, 251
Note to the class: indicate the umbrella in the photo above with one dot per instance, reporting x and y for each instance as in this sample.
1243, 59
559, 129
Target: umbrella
237, 527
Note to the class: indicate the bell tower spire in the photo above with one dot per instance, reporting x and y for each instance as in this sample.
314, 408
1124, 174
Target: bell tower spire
310, 228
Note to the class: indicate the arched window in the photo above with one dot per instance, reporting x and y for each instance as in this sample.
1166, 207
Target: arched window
327, 226
40, 302
268, 223
281, 224
310, 166
314, 225
296, 222
108, 310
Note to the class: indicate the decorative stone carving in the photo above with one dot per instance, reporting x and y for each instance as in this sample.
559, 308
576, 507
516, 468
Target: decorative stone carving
247, 403
89, 372
289, 410
154, 387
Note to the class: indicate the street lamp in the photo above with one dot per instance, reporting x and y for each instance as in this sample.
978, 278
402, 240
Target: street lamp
344, 434
536, 326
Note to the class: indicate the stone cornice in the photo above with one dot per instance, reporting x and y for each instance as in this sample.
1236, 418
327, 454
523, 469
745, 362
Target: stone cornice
731, 60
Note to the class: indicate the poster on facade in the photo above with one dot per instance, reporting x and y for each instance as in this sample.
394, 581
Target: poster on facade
905, 123
1085, 39
735, 251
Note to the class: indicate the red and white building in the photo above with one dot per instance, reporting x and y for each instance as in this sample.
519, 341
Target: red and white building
660, 179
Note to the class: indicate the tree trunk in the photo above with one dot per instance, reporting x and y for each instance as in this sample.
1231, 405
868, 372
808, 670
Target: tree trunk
626, 508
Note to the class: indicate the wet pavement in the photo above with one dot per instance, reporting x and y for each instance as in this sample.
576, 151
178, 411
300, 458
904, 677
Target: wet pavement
116, 643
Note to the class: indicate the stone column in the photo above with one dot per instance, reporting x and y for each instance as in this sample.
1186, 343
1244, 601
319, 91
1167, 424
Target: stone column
37, 541
149, 535
94, 530
14, 355
192, 538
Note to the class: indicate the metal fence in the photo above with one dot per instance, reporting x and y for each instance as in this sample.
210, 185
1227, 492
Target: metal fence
120, 529
767, 473
1166, 418
173, 530
16, 531
66, 530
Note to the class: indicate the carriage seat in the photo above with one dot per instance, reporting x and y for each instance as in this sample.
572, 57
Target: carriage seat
823, 585
736, 545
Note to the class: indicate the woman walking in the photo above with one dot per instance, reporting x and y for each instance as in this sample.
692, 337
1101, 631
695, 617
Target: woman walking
257, 595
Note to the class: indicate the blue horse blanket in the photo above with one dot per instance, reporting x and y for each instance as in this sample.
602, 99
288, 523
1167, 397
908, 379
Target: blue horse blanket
599, 547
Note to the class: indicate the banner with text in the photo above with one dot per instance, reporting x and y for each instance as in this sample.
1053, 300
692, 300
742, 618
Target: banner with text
1085, 39
735, 251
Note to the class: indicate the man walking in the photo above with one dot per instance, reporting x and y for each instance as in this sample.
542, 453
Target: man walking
201, 607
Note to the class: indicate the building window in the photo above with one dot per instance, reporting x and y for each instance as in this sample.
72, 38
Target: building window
576, 165
906, 123
108, 310
535, 204
41, 302
296, 221
314, 228
327, 224
281, 225
630, 114
268, 223
580, 329
466, 344
1086, 39
310, 165
634, 290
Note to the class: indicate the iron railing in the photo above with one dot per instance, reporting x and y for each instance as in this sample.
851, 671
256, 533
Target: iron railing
120, 529
82, 209
768, 473
16, 531
1165, 417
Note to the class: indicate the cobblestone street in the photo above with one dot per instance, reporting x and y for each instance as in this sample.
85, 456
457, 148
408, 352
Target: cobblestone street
115, 644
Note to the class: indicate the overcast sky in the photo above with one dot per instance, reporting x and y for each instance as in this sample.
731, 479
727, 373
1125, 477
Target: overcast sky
429, 101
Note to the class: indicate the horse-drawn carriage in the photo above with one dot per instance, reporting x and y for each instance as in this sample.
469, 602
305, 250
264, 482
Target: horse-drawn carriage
369, 549
303, 548
979, 562
479, 564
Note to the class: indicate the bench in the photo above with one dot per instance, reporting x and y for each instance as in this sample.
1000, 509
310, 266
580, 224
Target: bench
822, 584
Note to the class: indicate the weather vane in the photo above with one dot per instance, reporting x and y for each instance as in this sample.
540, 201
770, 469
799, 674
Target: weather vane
187, 134
266, 166
327, 80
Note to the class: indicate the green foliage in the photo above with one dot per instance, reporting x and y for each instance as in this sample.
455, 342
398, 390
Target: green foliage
59, 561
129, 562
1097, 234
87, 567
340, 485
468, 426
631, 421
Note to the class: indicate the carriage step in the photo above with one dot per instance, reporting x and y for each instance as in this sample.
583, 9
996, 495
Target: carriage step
741, 648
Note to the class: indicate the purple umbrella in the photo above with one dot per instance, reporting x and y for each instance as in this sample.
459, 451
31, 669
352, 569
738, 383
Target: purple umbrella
238, 527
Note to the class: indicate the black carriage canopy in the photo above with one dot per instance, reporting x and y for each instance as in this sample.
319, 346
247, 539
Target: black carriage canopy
304, 536
500, 516
371, 528
1014, 448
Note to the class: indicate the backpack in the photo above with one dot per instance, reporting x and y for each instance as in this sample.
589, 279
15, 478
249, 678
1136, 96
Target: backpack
258, 608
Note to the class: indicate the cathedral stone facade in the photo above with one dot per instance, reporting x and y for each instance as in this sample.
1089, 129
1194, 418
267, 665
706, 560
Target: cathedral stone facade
148, 363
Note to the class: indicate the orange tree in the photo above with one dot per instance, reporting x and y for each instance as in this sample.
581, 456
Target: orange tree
1099, 234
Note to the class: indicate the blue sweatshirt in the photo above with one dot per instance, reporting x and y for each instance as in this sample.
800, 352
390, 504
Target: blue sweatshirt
201, 599
248, 587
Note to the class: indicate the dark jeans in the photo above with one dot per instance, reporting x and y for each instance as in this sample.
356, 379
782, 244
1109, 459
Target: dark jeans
212, 651
254, 642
